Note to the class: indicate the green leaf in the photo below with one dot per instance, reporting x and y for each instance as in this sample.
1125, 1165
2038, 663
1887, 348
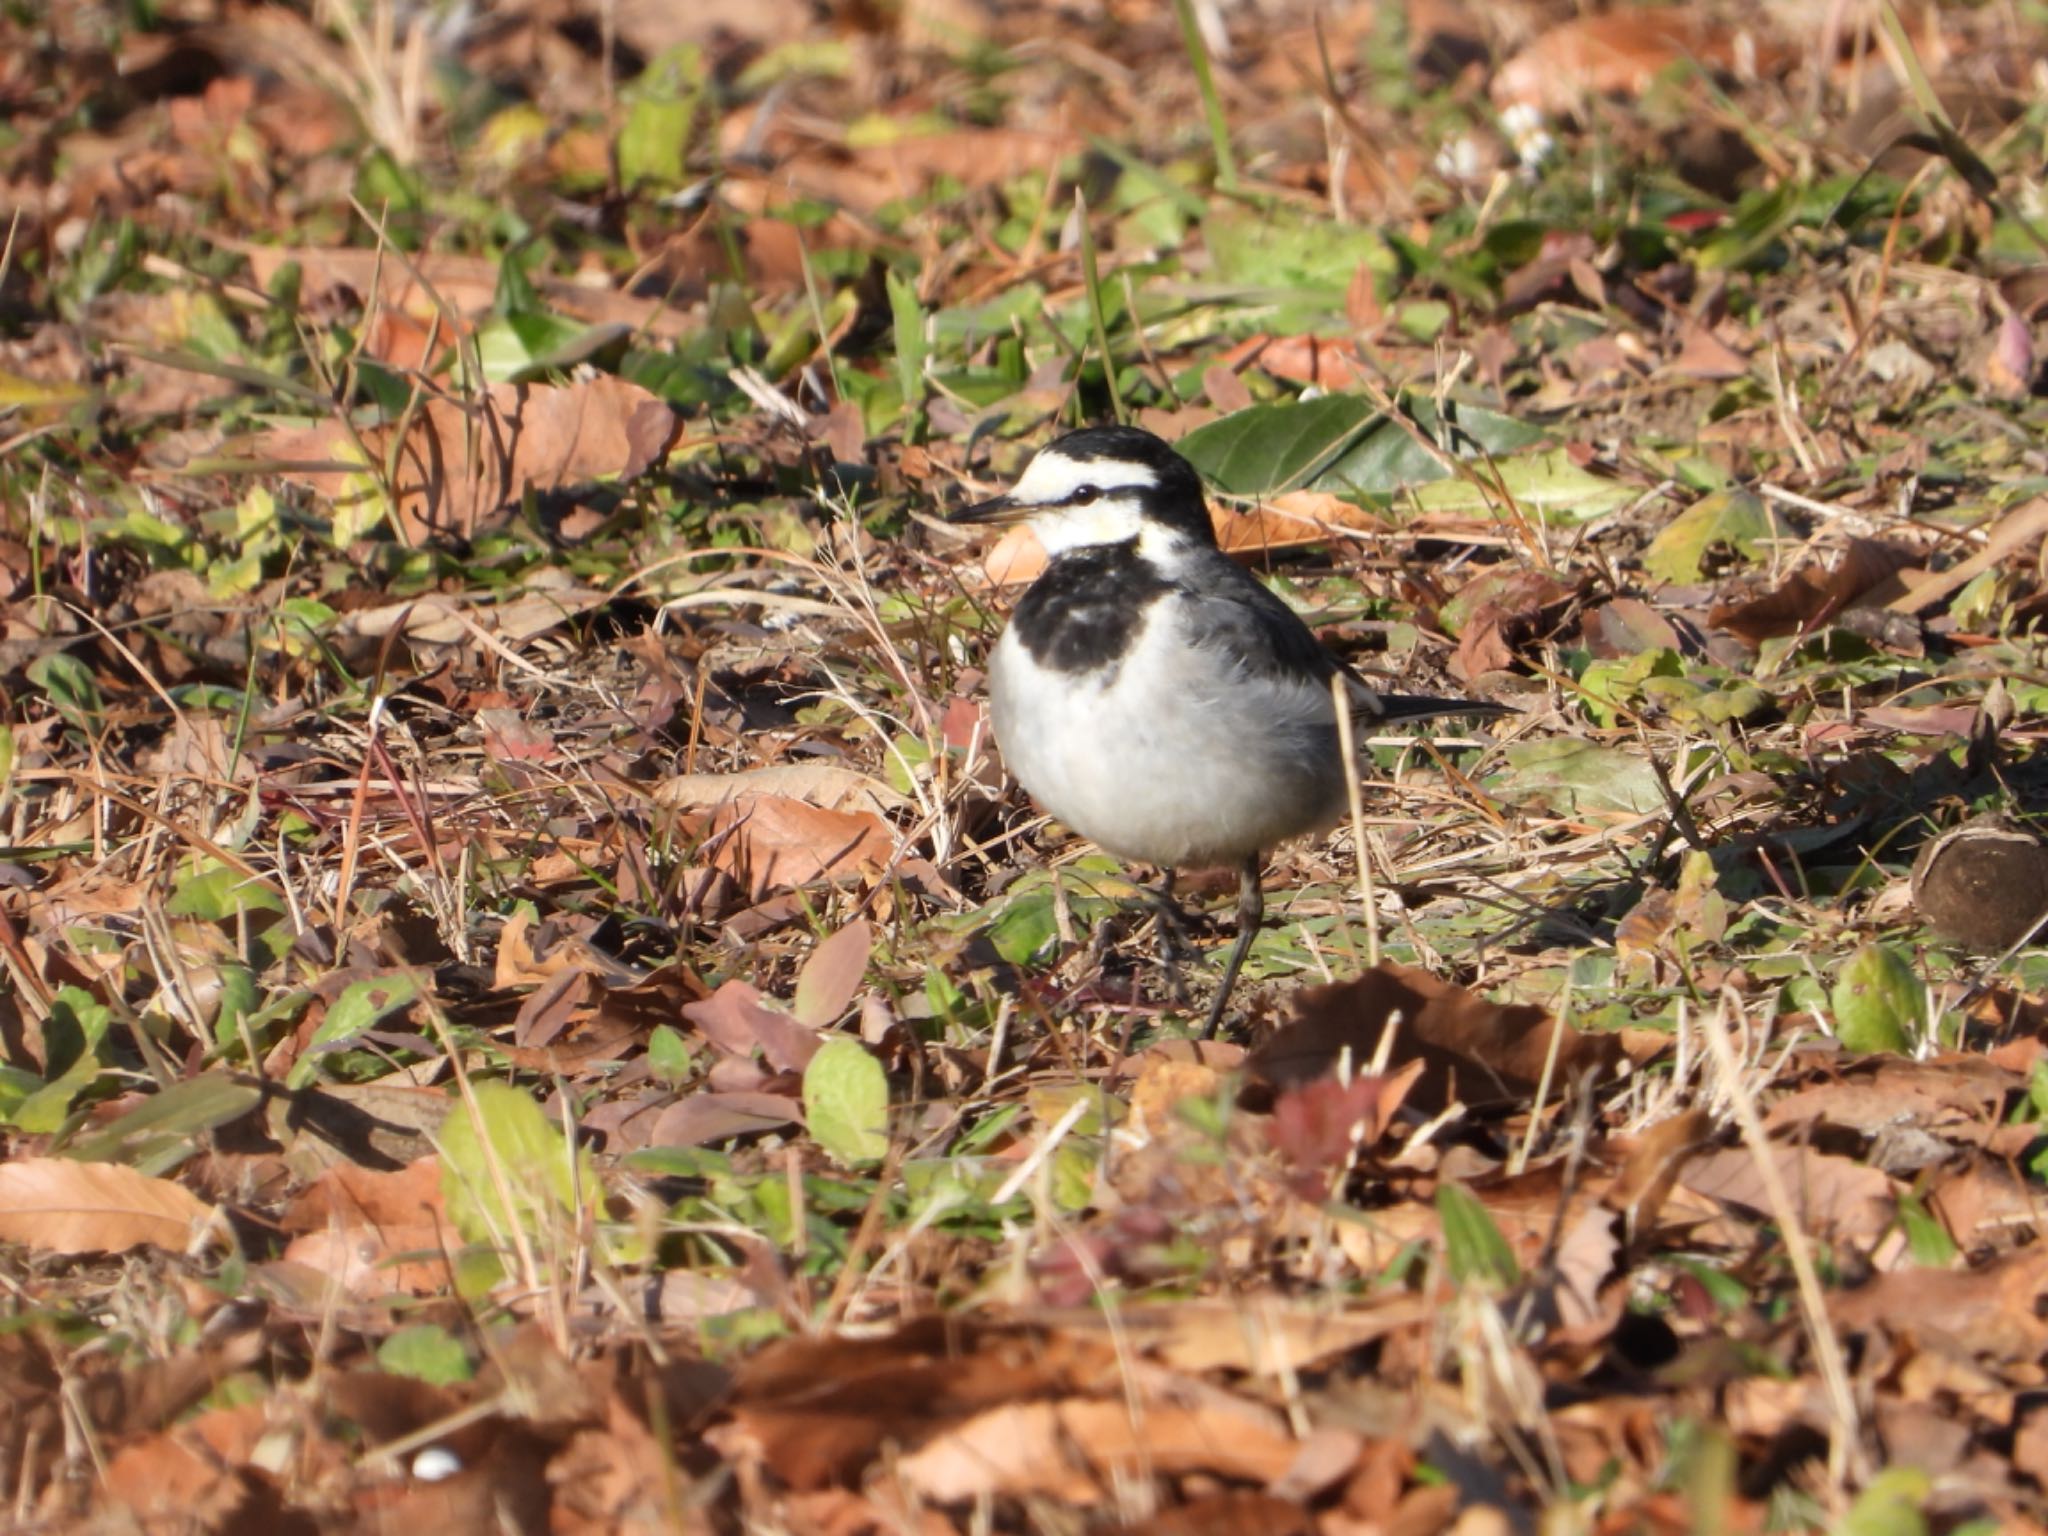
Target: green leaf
1738, 520
1926, 1238
907, 316
68, 684
356, 1010
846, 1103
217, 893
1257, 249
1342, 444
72, 1033
525, 345
426, 1352
1879, 1001
238, 1000
176, 1115
1548, 487
510, 1138
668, 1055
44, 1111
1474, 1248
1890, 1505
654, 143
1027, 926
1572, 776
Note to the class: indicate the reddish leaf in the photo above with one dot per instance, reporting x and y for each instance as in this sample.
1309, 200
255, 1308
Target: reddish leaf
832, 975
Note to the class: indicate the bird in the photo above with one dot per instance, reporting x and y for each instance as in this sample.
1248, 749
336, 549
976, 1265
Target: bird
1153, 695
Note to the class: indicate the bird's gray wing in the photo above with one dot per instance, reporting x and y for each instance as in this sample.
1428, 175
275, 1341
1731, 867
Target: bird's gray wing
1234, 617
1238, 617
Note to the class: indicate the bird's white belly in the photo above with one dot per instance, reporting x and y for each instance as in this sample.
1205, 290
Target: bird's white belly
1170, 757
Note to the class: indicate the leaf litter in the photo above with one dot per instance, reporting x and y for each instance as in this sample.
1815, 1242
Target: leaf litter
530, 1004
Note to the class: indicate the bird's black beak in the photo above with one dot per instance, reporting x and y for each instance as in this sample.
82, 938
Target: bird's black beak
997, 510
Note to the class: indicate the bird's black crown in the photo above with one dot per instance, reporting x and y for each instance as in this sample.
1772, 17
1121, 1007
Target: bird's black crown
1174, 497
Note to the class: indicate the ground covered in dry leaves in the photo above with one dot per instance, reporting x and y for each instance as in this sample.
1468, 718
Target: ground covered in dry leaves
531, 1006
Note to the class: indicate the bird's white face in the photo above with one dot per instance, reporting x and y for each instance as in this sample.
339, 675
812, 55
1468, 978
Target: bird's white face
1073, 503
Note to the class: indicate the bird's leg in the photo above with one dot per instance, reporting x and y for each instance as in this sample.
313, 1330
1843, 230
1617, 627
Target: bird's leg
1171, 928
1251, 911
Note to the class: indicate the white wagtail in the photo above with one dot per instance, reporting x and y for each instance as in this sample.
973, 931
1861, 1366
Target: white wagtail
1150, 693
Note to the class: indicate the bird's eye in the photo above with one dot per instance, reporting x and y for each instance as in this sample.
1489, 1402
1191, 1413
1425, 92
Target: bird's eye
1083, 494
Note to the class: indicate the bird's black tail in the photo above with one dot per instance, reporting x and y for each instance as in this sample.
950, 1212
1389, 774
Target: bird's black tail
1386, 707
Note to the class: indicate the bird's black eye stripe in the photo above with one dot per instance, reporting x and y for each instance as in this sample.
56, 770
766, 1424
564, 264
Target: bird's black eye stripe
1083, 494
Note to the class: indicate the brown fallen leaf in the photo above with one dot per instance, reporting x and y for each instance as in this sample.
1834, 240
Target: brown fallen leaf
464, 466
462, 286
1704, 355
58, 1205
1074, 1450
771, 842
1831, 579
2017, 527
829, 786
190, 1475
832, 976
1263, 1339
1476, 1051
1992, 1311
739, 1020
1616, 53
354, 1195
705, 1118
1836, 1198
371, 1261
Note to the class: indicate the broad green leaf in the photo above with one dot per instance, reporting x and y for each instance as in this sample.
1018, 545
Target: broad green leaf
32, 396
1547, 487
526, 345
218, 892
668, 1055
1572, 776
1259, 250
1271, 448
43, 1112
76, 1025
655, 141
1474, 1248
1737, 520
1693, 702
1026, 927
426, 1352
1342, 444
509, 1146
846, 1103
1926, 1238
1891, 1504
238, 1001
15, 1087
1879, 1002
68, 684
907, 316
177, 1114
359, 1008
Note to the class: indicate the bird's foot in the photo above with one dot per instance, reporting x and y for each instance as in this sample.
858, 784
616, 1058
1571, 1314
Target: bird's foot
1170, 933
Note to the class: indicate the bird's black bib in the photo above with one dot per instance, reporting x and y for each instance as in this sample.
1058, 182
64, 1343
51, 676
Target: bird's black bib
1085, 609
